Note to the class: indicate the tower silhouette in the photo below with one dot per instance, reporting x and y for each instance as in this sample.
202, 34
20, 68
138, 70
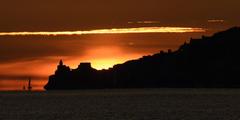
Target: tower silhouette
61, 63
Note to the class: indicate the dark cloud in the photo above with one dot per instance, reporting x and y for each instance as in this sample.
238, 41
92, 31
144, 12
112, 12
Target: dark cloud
91, 14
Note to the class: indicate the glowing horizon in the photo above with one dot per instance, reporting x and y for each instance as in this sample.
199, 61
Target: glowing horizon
110, 31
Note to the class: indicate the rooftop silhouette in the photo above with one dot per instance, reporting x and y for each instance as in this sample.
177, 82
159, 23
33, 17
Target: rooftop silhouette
209, 62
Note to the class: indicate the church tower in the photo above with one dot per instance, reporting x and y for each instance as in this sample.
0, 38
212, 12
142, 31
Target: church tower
61, 63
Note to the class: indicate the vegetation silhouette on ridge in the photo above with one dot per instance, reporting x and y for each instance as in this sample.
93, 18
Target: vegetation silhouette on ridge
209, 62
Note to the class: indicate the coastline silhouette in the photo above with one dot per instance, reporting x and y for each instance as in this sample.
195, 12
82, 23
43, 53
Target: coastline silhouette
209, 62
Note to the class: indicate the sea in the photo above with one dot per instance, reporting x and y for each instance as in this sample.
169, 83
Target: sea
121, 104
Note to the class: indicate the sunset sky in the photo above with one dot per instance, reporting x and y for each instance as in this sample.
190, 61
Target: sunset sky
35, 35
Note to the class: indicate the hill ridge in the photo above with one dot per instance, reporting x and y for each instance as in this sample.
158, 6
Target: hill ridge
208, 62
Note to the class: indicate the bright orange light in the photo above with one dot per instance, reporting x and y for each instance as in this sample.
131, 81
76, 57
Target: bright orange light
102, 57
105, 63
111, 31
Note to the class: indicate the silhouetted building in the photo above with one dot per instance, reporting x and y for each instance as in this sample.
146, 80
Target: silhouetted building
61, 63
85, 66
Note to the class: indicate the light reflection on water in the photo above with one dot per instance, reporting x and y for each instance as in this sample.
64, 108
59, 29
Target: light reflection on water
17, 85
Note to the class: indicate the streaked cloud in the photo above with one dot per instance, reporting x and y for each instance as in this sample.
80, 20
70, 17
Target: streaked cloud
216, 21
110, 31
144, 22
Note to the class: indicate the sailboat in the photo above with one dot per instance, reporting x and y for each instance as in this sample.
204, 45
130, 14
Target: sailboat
29, 84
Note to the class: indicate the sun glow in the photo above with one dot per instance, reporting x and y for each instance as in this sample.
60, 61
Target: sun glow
110, 31
102, 57
105, 63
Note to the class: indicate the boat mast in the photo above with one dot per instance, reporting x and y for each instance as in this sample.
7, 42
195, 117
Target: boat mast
29, 84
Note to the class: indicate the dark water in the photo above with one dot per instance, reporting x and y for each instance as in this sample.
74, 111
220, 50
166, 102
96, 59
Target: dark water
144, 104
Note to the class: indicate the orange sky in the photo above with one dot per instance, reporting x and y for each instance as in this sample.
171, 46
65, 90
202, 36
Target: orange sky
103, 33
24, 56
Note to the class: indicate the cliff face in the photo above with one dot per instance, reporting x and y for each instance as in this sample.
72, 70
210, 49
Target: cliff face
207, 62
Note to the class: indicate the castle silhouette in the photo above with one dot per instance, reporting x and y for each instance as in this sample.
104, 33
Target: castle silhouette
209, 62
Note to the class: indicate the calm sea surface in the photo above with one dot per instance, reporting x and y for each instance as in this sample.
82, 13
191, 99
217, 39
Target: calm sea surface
128, 104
